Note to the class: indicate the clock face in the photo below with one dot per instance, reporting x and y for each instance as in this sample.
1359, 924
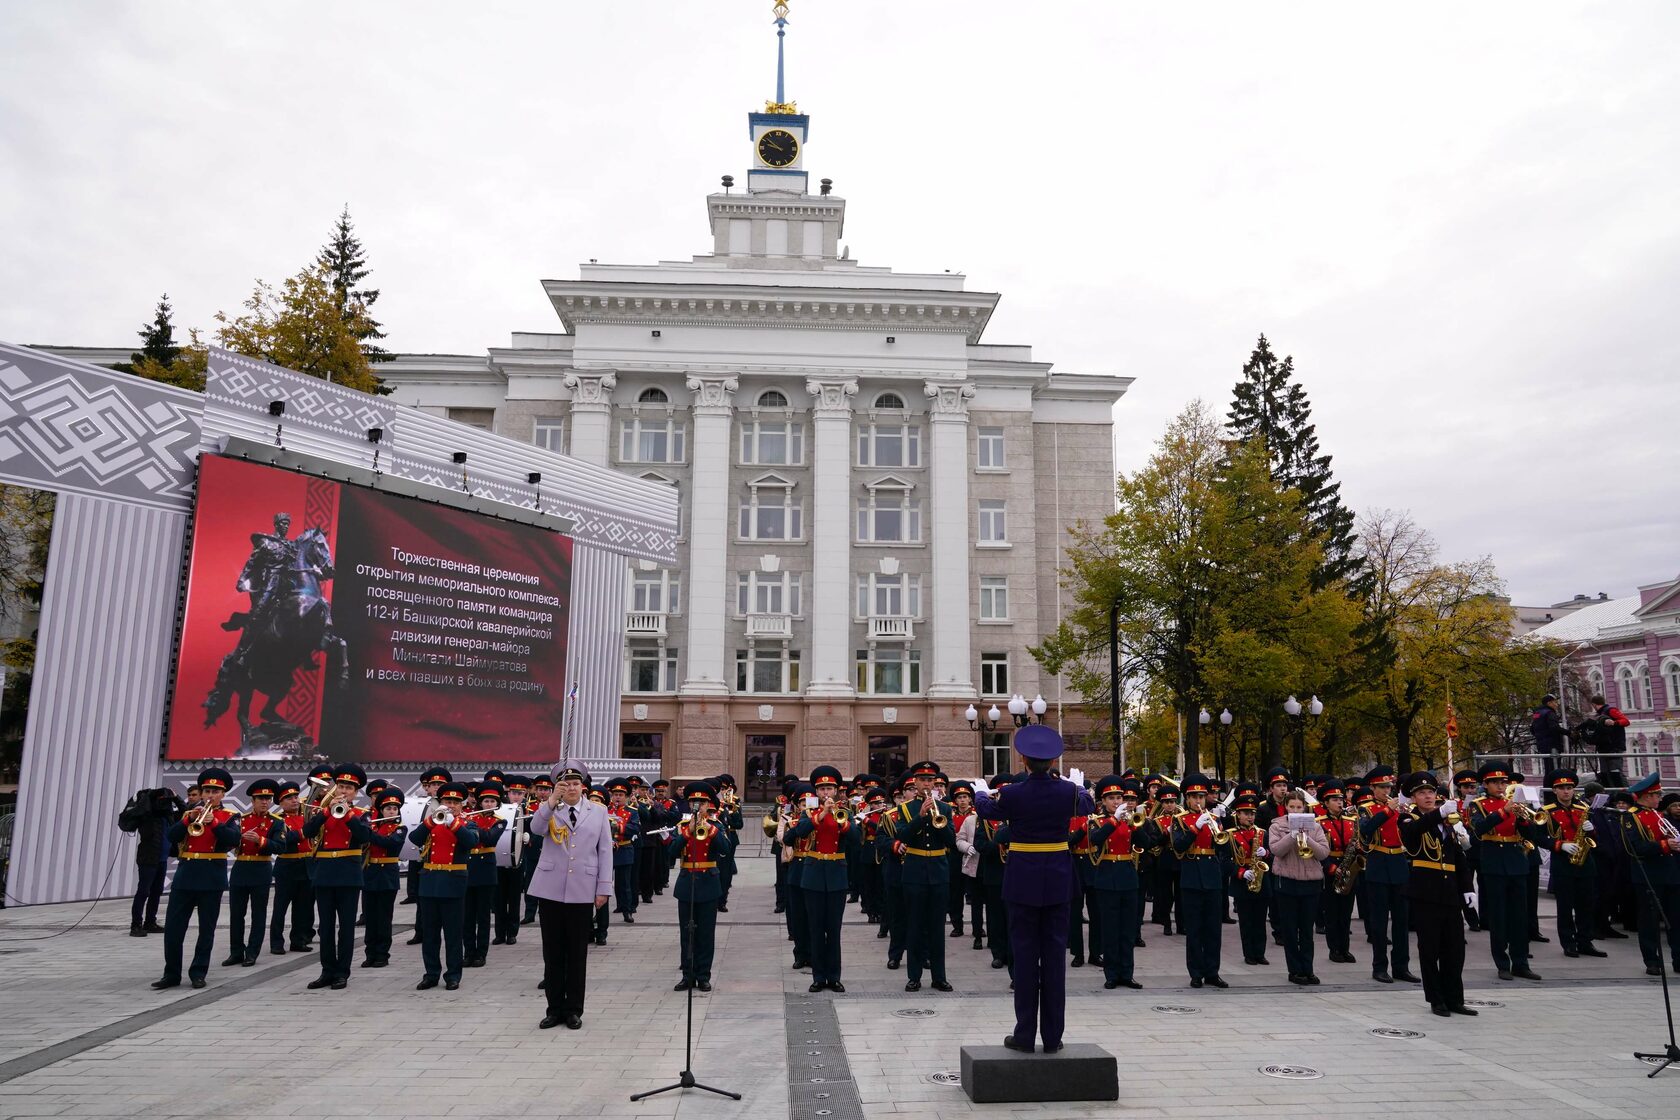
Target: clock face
778, 148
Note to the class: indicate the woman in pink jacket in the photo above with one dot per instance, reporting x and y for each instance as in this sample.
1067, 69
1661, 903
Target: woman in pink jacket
1298, 847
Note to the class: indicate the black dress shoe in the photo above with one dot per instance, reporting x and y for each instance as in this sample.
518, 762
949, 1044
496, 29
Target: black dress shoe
630, 919
1460, 1009
979, 943
248, 961
681, 986
957, 931
1217, 982
1593, 951
997, 963
704, 985
451, 985
1408, 978
1525, 973
882, 932
647, 898
153, 927
1132, 984
600, 940
942, 986
166, 982
1052, 1047
1111, 984
722, 909
1540, 937
415, 940
574, 1022
1138, 944
541, 985
1009, 1043
818, 986
528, 921
1312, 979
426, 982
340, 984
197, 981
1382, 977
779, 910
1505, 974
319, 982
1196, 983
1440, 1009
801, 962
1250, 960
1077, 961
1096, 961
1606, 935
1571, 953
913, 985
1297, 978
277, 949
1650, 970
836, 986
233, 959
136, 931
549, 1022
1261, 960
892, 962
498, 940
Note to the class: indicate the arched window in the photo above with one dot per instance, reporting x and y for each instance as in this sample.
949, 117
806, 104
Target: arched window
1627, 698
1671, 684
1642, 686
889, 400
653, 396
772, 398
1595, 683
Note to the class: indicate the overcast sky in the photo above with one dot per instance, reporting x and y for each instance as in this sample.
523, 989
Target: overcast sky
1461, 219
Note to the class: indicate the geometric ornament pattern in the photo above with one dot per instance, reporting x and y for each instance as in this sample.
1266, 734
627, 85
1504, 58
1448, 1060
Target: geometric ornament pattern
246, 385
70, 426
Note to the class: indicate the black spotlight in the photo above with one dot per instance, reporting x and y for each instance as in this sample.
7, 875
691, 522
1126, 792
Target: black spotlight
375, 434
728, 181
460, 458
827, 186
534, 477
890, 338
655, 334
277, 408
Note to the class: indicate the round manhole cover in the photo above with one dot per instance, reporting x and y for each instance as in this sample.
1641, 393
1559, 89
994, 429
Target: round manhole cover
1291, 1073
1395, 1032
915, 1012
1175, 1009
1483, 1003
946, 1077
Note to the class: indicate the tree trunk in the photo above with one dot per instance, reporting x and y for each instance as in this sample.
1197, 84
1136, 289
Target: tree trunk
1271, 730
1402, 748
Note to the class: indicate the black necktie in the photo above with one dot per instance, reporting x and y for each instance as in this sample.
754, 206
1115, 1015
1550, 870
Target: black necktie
573, 812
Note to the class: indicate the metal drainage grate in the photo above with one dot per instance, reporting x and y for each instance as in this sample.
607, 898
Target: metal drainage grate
1291, 1073
946, 1077
1395, 1032
915, 1012
1175, 1009
1483, 1003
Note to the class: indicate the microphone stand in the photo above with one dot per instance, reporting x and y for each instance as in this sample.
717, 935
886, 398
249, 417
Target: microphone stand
1671, 1054
686, 1080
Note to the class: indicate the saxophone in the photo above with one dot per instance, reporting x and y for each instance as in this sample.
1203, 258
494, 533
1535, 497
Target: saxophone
1584, 842
1253, 863
1353, 862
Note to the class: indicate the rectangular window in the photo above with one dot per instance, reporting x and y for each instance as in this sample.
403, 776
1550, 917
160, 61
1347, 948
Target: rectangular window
994, 674
773, 442
989, 449
657, 592
549, 433
889, 445
889, 517
895, 596
994, 598
642, 744
648, 668
481, 418
889, 671
772, 514
995, 752
992, 527
651, 441
767, 669
768, 593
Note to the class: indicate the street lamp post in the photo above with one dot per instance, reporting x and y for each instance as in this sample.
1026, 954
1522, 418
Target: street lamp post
982, 727
1114, 685
1298, 712
1024, 712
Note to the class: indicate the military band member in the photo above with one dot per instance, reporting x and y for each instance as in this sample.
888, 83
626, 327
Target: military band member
670, 812
1084, 900
1435, 889
202, 838
802, 797
1278, 784
575, 874
1652, 840
991, 841
773, 824
1574, 880
1297, 849
510, 883
889, 858
1201, 882
1167, 906
1504, 832
1337, 908
1252, 899
1114, 882
870, 888
962, 890
340, 832
444, 844
262, 837
695, 845
729, 815
922, 836
387, 836
542, 787
481, 874
827, 835
1464, 789
1384, 903
627, 830
657, 811
292, 897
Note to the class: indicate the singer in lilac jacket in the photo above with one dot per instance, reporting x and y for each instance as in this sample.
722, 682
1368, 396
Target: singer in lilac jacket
580, 867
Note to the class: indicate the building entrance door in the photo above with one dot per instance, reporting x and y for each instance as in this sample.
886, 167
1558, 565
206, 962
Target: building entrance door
766, 764
889, 755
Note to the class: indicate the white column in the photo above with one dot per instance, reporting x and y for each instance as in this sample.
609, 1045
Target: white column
948, 513
591, 434
708, 535
830, 597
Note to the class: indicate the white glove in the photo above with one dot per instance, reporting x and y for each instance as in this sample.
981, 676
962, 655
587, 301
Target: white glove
1570, 848
1450, 806
1247, 875
1469, 898
1463, 835
1261, 853
1587, 826
1206, 820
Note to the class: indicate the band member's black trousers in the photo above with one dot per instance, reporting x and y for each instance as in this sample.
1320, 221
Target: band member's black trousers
528, 868
1575, 895
183, 904
781, 883
924, 905
1505, 913
510, 887
956, 895
411, 890
294, 898
1667, 897
1201, 910
997, 920
1440, 935
1121, 916
647, 870
336, 907
475, 932
697, 951
565, 939
440, 923
1385, 911
1251, 919
603, 917
624, 889
1338, 920
1297, 915
824, 911
1166, 906
241, 899
379, 907
798, 920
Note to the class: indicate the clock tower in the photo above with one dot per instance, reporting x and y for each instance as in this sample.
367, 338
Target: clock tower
778, 134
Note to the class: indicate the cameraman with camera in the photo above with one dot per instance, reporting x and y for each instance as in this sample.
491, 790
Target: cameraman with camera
148, 814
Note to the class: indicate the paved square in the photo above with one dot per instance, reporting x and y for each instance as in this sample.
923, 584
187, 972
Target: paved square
81, 1034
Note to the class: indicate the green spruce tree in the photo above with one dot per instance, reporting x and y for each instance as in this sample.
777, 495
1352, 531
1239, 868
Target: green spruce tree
157, 339
343, 257
1270, 405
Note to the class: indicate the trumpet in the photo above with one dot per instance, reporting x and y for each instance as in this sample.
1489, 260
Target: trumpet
442, 817
201, 821
935, 817
340, 810
702, 829
1302, 848
1138, 819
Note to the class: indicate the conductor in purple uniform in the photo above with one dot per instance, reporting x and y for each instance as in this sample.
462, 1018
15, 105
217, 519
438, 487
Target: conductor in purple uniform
1037, 884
